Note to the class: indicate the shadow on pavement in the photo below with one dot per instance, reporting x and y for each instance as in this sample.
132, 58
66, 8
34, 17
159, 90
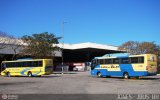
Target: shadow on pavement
149, 79
64, 72
134, 78
43, 76
16, 83
47, 76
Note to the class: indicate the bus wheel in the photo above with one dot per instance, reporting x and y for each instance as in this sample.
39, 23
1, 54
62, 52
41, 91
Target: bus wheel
126, 75
99, 74
8, 74
29, 74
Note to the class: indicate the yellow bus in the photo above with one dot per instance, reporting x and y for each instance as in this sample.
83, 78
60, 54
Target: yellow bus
125, 66
33, 67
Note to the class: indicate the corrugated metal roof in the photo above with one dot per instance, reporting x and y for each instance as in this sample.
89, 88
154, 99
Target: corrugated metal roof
87, 45
78, 46
64, 46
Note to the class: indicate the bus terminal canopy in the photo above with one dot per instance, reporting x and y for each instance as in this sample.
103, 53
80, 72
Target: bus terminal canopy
84, 52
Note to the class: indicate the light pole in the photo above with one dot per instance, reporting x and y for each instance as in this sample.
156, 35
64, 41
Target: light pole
62, 45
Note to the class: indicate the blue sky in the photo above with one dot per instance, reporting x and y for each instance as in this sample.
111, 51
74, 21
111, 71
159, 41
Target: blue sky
111, 22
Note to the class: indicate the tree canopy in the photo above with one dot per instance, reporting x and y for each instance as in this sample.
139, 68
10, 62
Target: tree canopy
3, 39
40, 45
134, 47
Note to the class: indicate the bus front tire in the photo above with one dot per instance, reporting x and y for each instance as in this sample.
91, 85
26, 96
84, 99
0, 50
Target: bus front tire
8, 74
29, 74
126, 75
99, 74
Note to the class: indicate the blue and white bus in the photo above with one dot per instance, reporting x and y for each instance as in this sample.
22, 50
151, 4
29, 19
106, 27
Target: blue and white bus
125, 66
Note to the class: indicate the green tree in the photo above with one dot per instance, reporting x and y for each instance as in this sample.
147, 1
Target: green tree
40, 45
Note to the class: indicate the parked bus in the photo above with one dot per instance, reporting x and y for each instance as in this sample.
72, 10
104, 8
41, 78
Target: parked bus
34, 67
125, 66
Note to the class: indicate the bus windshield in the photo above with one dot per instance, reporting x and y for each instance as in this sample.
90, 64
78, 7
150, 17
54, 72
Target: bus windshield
93, 64
3, 67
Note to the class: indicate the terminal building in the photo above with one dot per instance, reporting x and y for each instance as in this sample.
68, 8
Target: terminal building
79, 55
72, 56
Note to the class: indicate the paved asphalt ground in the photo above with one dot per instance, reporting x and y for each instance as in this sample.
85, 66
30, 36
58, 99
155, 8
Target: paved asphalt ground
78, 86
78, 83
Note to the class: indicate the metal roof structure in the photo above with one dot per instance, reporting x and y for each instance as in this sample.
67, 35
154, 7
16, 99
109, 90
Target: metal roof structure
83, 52
87, 45
71, 52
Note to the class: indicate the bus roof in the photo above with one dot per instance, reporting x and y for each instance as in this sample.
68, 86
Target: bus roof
120, 56
26, 60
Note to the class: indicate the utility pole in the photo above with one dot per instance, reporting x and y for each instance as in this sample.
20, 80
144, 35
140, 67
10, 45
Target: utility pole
62, 45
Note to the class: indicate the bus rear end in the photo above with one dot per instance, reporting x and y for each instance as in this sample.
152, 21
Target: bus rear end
151, 62
48, 66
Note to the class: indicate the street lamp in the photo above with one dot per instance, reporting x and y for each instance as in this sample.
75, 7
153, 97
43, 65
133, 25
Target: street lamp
62, 45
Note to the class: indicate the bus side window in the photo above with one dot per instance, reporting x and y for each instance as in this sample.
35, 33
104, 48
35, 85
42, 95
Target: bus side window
116, 61
134, 59
101, 61
7, 64
29, 64
19, 64
25, 64
10, 64
98, 61
141, 60
39, 63
14, 64
35, 64
125, 60
108, 61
